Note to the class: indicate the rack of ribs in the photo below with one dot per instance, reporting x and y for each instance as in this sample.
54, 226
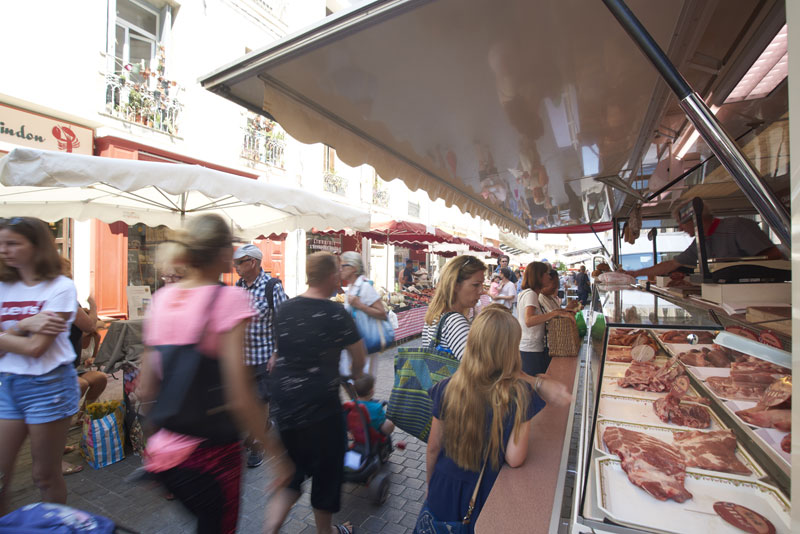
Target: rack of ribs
655, 466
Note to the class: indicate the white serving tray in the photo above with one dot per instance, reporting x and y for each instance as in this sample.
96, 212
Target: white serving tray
611, 387
633, 410
666, 435
627, 504
737, 405
773, 437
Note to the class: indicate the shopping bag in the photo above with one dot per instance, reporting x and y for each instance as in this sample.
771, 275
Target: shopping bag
376, 334
581, 322
133, 420
102, 439
416, 370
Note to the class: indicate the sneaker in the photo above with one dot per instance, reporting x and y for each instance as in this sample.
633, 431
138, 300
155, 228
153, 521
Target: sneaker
255, 458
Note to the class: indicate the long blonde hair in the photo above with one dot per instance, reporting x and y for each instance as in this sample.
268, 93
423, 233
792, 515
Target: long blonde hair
488, 375
457, 270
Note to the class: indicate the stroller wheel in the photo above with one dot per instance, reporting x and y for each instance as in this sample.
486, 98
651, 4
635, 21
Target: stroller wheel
379, 487
385, 451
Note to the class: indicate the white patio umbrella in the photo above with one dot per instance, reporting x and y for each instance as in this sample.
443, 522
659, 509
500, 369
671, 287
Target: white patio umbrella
53, 185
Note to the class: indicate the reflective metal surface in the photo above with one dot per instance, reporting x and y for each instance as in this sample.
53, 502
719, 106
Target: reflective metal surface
515, 105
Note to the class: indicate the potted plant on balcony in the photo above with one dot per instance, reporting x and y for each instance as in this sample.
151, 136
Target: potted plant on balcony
136, 103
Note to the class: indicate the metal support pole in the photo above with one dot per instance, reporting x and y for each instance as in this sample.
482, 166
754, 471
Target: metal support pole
615, 236
707, 125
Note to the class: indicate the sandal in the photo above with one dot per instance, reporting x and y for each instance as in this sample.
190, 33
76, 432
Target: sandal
70, 448
345, 528
70, 469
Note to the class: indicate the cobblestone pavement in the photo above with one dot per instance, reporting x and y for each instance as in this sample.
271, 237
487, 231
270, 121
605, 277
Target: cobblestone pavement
142, 507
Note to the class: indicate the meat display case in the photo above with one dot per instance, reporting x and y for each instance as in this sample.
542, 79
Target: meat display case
603, 499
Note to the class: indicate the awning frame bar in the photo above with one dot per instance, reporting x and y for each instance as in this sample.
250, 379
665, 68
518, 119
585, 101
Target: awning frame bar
719, 141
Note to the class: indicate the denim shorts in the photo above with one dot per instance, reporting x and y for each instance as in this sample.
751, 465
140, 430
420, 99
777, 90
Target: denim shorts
40, 398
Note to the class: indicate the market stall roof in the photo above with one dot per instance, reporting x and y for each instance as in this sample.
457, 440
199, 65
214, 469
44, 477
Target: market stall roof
54, 185
472, 244
403, 232
579, 228
509, 110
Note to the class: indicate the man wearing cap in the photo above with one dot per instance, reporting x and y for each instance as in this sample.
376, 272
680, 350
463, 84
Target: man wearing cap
266, 295
732, 237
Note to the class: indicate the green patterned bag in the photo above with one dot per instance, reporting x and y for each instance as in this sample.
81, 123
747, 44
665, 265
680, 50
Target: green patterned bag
416, 370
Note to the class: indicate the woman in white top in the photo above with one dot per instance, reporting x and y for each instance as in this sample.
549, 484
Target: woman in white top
38, 383
532, 319
359, 295
506, 293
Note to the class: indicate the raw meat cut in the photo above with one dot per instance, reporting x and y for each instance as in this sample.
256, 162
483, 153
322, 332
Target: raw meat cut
650, 377
786, 443
742, 331
704, 337
757, 372
618, 354
705, 357
670, 410
773, 408
780, 419
714, 450
624, 337
655, 466
725, 388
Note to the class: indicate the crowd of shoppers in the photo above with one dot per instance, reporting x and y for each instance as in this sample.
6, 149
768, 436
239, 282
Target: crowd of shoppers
274, 359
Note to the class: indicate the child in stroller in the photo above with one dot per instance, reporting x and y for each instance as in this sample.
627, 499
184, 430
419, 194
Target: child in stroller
370, 443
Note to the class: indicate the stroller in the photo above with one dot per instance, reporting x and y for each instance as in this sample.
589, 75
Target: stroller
368, 450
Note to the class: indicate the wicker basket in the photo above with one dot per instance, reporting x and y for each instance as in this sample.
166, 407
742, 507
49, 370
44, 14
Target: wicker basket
563, 340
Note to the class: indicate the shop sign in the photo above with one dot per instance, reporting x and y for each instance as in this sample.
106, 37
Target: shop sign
328, 243
31, 130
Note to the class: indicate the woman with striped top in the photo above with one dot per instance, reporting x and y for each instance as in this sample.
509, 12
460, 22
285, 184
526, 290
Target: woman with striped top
460, 287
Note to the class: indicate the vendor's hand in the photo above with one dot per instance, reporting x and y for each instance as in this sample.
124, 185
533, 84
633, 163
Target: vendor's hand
554, 392
574, 306
46, 322
283, 467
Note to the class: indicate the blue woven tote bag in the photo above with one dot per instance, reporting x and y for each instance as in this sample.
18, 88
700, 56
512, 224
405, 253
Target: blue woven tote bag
416, 370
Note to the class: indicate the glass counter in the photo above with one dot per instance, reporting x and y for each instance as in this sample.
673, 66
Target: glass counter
636, 308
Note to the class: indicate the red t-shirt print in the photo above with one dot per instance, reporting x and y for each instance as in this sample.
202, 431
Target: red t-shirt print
16, 311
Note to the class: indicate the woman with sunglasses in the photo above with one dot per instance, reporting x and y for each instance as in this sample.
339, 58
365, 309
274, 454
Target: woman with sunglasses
38, 383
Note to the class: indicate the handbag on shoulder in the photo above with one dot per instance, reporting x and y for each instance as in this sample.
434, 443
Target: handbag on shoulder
191, 400
376, 334
416, 370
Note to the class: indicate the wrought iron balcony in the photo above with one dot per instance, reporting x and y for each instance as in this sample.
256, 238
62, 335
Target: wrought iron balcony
153, 104
333, 183
263, 142
380, 196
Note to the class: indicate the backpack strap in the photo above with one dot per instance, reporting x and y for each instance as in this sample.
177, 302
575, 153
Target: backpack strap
270, 291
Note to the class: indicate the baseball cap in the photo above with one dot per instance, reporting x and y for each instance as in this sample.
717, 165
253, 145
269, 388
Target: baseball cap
251, 251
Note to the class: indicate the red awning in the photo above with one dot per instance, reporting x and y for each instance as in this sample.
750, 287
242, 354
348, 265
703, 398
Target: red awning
472, 244
578, 228
495, 252
402, 232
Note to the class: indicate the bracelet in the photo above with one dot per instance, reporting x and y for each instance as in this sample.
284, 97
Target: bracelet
537, 385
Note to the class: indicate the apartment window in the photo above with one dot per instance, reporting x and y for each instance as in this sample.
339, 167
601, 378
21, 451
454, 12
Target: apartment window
136, 37
63, 233
329, 158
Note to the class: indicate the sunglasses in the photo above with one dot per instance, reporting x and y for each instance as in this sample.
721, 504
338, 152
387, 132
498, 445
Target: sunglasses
241, 261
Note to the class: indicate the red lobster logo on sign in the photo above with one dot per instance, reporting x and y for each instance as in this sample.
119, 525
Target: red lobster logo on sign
67, 140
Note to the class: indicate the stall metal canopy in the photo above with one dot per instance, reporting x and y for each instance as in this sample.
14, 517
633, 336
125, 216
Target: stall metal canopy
513, 111
54, 185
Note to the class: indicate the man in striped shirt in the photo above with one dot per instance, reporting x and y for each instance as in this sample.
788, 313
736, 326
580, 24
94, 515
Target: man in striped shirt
266, 295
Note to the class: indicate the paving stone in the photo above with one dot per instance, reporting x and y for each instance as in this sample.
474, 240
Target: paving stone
393, 515
394, 528
413, 494
373, 524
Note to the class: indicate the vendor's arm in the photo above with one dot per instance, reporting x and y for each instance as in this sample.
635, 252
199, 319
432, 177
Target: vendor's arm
659, 269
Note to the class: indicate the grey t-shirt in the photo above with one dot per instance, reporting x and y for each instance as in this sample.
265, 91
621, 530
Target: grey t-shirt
735, 237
